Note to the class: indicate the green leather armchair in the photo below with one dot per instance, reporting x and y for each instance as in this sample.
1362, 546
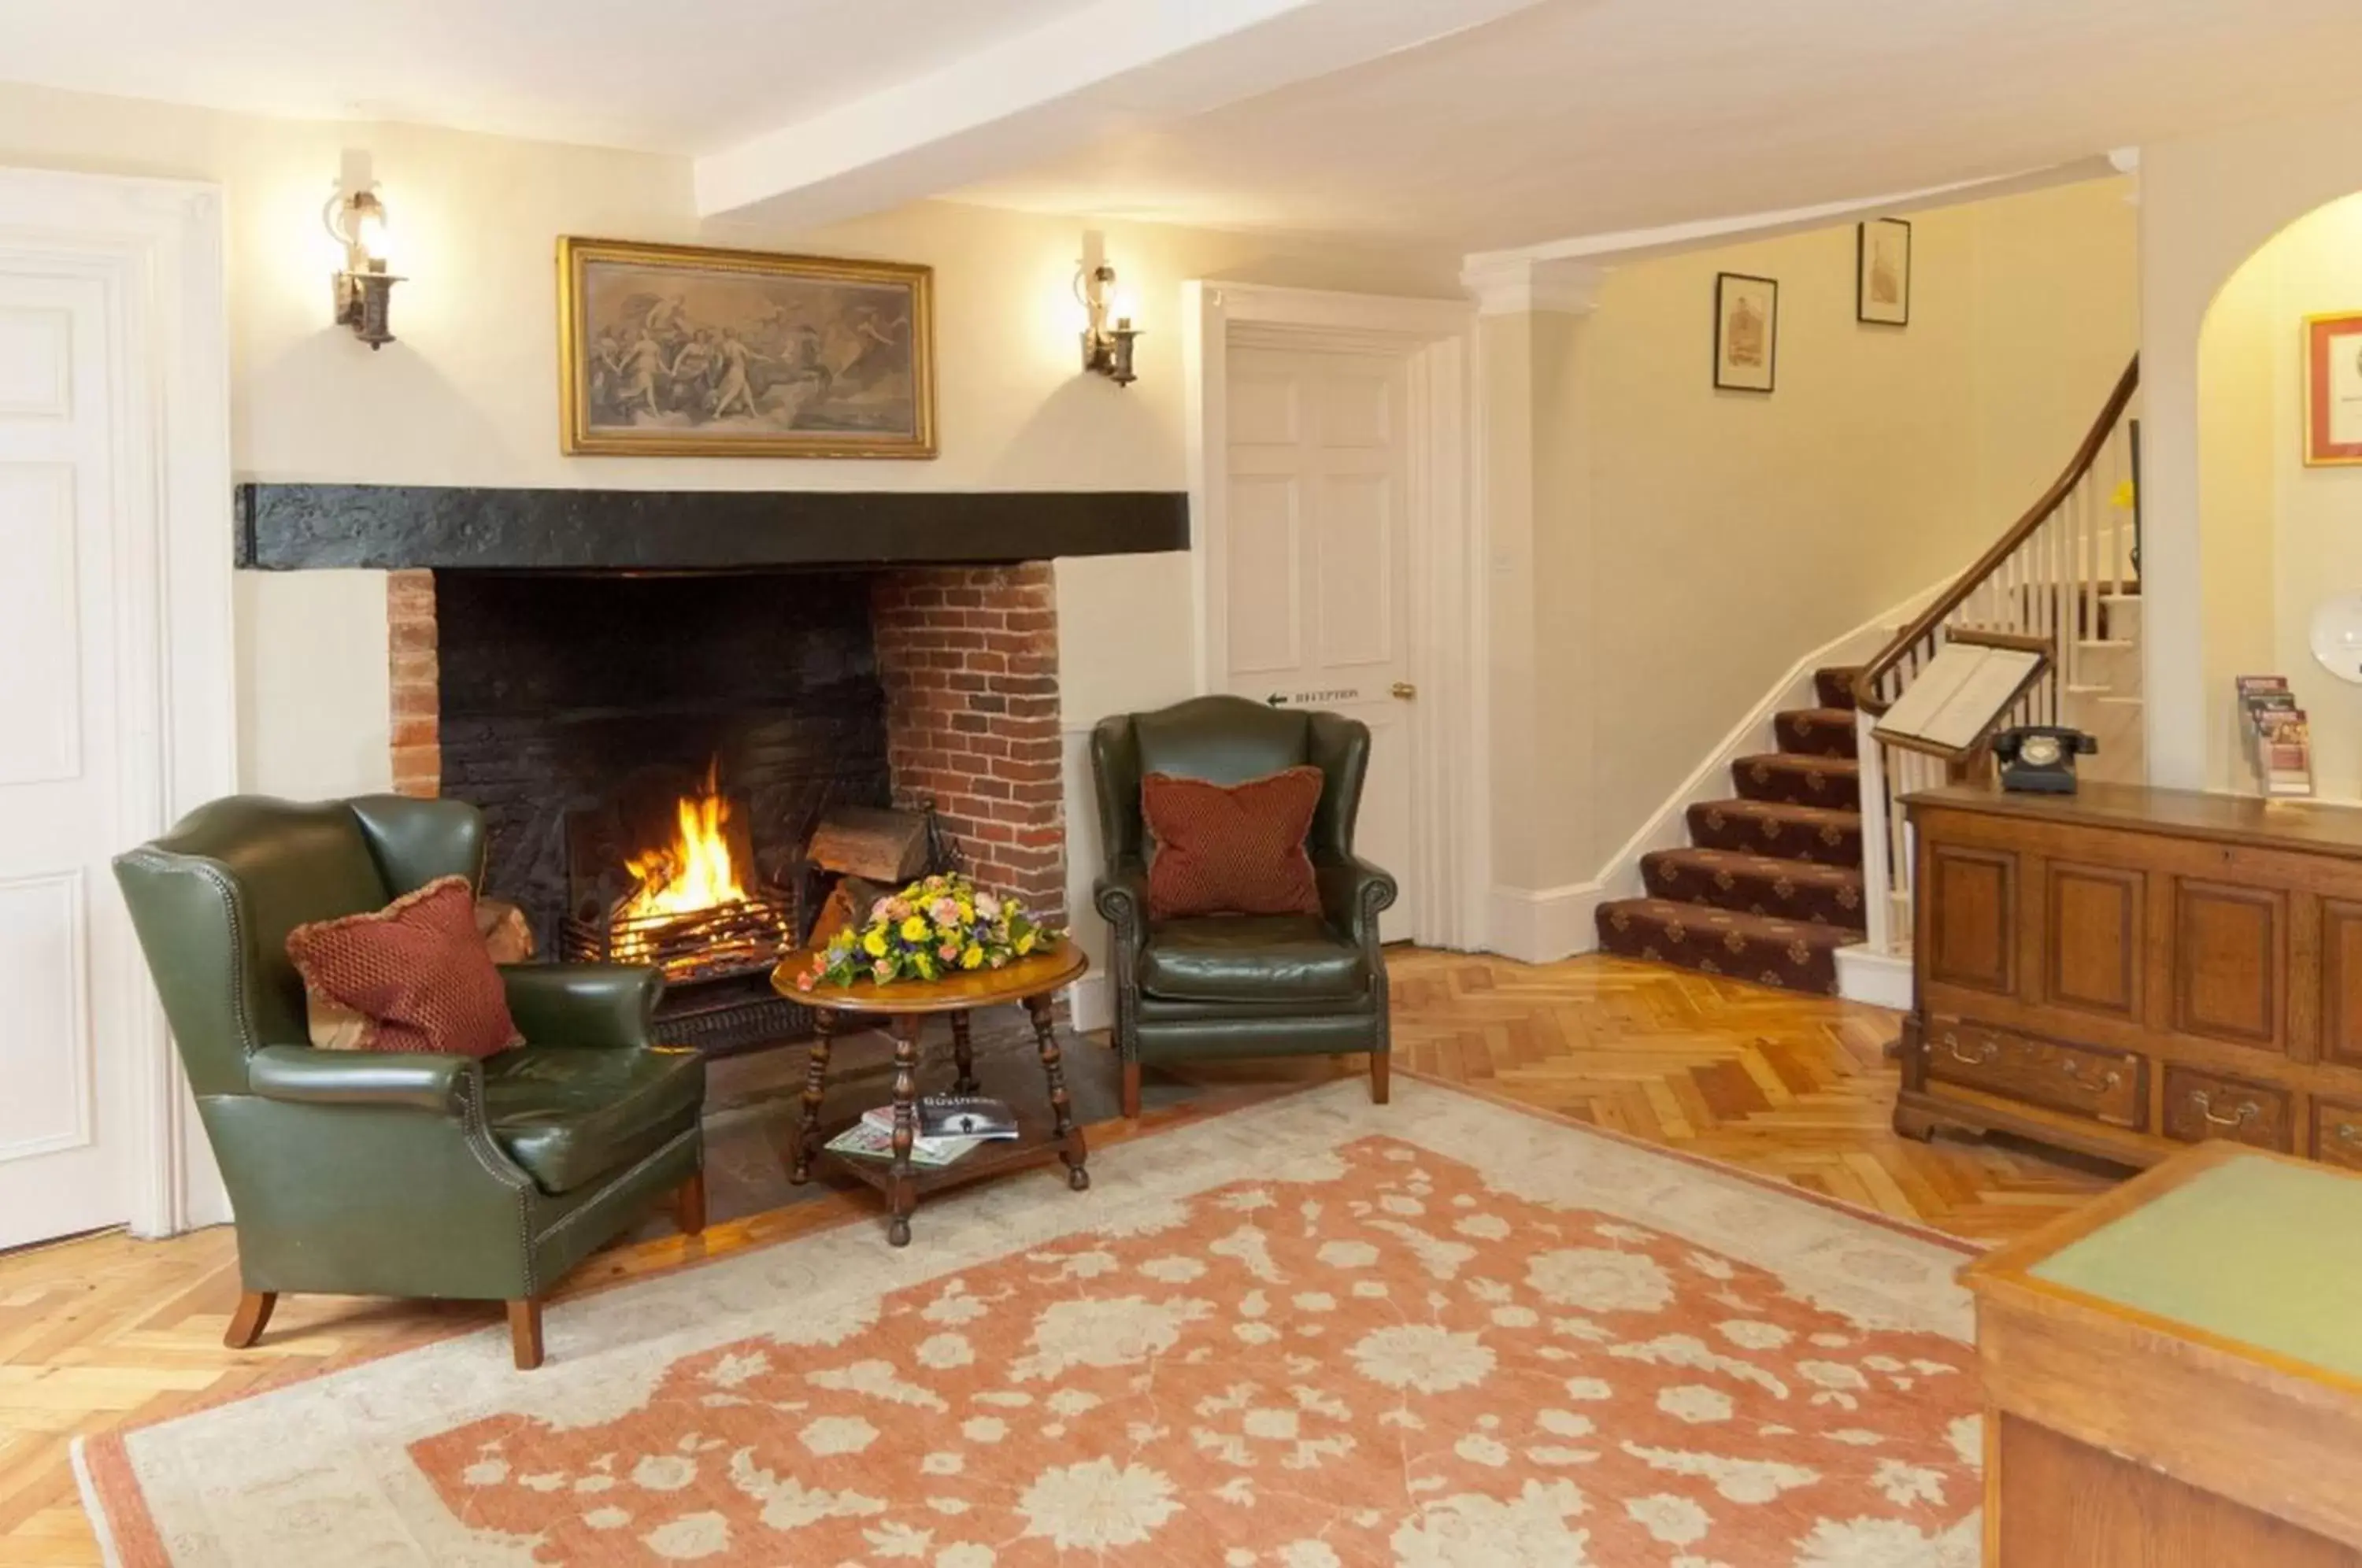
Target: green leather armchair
400, 1173
1242, 984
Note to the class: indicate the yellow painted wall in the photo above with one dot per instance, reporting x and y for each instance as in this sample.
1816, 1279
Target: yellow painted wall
2276, 537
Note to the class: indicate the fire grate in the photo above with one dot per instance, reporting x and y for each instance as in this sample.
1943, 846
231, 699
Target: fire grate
743, 937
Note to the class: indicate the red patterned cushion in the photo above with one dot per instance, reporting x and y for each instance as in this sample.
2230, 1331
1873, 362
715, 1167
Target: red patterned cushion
1230, 850
416, 971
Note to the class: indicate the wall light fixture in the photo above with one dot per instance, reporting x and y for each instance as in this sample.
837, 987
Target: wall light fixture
356, 218
1106, 350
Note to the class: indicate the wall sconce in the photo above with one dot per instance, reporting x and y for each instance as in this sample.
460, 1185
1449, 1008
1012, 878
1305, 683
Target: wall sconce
1106, 349
355, 219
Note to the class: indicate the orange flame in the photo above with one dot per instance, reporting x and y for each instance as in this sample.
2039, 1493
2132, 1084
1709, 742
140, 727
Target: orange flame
692, 874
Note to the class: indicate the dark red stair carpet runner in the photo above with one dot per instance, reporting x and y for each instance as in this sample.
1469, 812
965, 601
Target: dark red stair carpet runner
1771, 886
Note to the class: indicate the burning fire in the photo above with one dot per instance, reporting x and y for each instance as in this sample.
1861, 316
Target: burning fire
692, 875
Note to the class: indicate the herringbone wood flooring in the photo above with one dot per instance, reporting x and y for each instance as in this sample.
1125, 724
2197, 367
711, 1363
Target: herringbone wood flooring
1790, 1086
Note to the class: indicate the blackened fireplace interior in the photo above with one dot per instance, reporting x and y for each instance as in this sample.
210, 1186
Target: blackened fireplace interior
579, 711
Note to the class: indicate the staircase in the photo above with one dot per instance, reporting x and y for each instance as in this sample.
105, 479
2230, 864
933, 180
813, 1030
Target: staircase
1771, 884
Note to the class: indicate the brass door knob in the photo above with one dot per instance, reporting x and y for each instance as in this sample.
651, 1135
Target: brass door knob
1404, 690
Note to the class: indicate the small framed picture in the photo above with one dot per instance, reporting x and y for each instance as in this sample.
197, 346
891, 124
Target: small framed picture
2333, 389
1882, 289
1746, 332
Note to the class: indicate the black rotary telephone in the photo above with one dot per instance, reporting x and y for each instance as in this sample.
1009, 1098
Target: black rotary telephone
2040, 758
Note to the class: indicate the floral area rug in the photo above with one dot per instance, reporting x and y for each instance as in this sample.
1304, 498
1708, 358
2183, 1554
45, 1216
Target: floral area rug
1313, 1333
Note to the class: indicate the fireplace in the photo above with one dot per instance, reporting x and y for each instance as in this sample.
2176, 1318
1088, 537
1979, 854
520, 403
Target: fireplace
653, 752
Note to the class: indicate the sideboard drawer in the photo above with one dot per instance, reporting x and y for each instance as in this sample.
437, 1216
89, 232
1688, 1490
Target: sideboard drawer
2202, 1105
2106, 1086
2338, 1133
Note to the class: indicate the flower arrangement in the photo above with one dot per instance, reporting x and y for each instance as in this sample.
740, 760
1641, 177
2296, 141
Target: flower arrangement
936, 926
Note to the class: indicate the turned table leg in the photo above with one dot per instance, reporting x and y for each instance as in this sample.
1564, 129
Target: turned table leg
963, 1056
902, 1191
815, 1086
1070, 1138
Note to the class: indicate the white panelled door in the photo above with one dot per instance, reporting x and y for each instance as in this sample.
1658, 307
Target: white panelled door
67, 995
1310, 604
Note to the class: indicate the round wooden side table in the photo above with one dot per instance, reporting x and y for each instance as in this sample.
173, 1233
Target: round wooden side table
903, 1008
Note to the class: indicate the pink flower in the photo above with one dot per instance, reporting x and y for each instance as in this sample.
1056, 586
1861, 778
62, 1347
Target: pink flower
987, 907
805, 981
944, 912
883, 969
949, 951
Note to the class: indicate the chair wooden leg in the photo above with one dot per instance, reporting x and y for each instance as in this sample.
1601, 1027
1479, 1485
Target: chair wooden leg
246, 1325
524, 1332
688, 1205
1381, 1066
1131, 1091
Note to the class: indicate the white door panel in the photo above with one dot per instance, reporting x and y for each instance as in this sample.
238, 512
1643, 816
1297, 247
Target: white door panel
70, 994
1312, 575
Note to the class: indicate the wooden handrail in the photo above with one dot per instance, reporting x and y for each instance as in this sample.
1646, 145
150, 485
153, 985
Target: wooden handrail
1865, 680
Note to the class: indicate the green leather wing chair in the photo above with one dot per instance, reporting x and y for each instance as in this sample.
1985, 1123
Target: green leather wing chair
399, 1174
1242, 984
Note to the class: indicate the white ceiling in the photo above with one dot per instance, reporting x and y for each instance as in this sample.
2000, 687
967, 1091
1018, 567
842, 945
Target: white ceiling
683, 76
1471, 124
1582, 117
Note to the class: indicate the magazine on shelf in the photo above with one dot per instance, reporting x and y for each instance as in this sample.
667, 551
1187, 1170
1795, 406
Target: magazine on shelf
868, 1140
2278, 736
953, 1116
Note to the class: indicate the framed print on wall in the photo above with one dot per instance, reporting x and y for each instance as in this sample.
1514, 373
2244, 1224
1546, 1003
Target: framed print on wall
668, 350
1746, 332
1882, 287
2333, 389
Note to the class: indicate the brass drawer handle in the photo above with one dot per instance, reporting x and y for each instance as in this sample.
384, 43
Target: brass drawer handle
2348, 1134
1984, 1053
2248, 1111
2110, 1077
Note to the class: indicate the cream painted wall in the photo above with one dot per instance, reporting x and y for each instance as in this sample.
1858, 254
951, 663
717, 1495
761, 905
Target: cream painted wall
469, 394
2207, 203
2276, 537
1691, 544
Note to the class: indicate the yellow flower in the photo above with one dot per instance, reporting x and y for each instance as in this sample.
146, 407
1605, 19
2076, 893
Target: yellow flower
973, 958
2121, 498
926, 963
914, 930
874, 944
967, 911
1025, 944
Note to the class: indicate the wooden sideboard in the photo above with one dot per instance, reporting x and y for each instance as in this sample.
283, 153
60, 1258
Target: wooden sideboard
2127, 971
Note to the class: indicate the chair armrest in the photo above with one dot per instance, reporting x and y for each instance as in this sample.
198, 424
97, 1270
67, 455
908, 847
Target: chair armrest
1352, 894
1121, 897
414, 1080
599, 1005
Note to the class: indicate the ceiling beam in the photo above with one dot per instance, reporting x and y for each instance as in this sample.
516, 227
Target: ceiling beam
1112, 65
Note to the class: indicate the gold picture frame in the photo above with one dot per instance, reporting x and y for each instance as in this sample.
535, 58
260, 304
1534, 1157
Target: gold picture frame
676, 350
2333, 390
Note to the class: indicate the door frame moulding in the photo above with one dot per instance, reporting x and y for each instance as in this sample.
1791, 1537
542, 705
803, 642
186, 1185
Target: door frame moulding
1444, 606
156, 246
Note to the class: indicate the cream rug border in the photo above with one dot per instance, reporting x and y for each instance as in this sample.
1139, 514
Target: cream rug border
313, 1470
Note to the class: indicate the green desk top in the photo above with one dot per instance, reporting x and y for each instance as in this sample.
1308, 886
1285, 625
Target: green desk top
2253, 1250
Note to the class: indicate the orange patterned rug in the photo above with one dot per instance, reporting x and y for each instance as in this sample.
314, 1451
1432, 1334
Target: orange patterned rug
1307, 1334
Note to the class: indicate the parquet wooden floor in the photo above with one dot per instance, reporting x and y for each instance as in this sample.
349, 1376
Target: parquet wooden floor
1792, 1087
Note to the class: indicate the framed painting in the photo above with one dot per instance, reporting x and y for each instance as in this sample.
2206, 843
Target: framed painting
1746, 332
1881, 286
2333, 389
668, 350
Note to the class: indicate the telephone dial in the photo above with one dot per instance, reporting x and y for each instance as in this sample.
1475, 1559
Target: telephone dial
2040, 758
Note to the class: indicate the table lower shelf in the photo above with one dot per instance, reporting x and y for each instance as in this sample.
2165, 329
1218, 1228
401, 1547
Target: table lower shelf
1036, 1143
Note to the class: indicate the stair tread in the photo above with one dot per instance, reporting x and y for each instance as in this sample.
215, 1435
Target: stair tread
1760, 926
1741, 864
1816, 816
1810, 762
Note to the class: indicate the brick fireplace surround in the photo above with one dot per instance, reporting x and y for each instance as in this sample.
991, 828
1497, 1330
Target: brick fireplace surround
968, 659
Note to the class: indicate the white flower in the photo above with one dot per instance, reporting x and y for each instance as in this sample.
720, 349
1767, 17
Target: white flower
1866, 1543
1484, 1226
983, 1429
1832, 1374
1515, 1317
1709, 1265
1254, 1333
606, 1519
486, 1473
1315, 1301
734, 1369
1478, 1448
1600, 1280
1967, 1435
1904, 1485
1370, 1289
839, 1434
664, 1472
1089, 1265
1271, 1425
1093, 1505
953, 1306
964, 1555
1616, 1231
945, 1351
1309, 1554
1749, 1335
892, 1540
1694, 1404
1469, 1531
1676, 1521
1072, 1401
1565, 1423
942, 1462
1347, 1255
1588, 1389
1422, 1356
1393, 1205
1104, 1331
690, 1537
1173, 1270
